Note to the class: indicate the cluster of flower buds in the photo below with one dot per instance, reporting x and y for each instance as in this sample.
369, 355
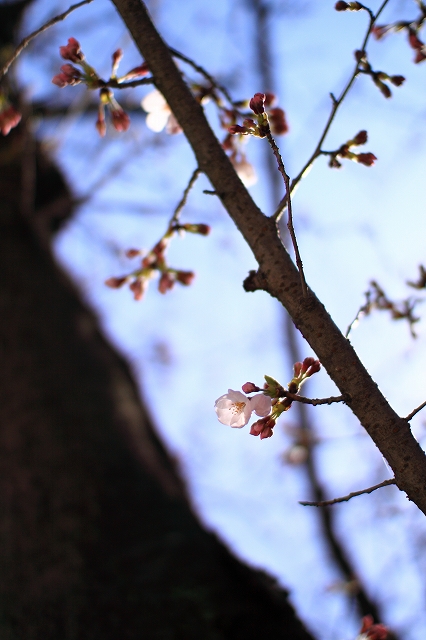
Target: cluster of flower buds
154, 262
411, 27
71, 75
378, 77
234, 408
372, 631
269, 118
344, 151
9, 117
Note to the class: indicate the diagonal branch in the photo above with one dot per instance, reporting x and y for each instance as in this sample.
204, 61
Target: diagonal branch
390, 433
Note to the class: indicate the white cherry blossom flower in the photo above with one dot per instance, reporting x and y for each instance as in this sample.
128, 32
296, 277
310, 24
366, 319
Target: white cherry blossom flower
234, 408
159, 113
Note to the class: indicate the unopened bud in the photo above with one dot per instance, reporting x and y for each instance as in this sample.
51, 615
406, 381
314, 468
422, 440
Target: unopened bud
185, 277
115, 283
250, 387
132, 253
360, 138
257, 103
166, 282
368, 159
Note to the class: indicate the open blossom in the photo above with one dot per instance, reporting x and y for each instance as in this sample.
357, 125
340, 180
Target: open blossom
234, 408
159, 113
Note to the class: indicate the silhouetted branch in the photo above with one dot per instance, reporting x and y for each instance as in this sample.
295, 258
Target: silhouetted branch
326, 503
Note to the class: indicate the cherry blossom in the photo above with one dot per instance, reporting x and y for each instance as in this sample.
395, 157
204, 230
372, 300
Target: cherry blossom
234, 408
159, 113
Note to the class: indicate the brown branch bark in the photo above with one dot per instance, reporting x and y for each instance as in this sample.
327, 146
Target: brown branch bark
390, 433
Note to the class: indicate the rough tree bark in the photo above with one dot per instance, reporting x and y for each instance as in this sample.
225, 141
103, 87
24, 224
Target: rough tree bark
97, 538
277, 273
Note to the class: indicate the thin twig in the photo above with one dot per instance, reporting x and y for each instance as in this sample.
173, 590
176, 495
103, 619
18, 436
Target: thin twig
182, 203
315, 401
413, 413
290, 226
25, 42
326, 503
202, 72
336, 102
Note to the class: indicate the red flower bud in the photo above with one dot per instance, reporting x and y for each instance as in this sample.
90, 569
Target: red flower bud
379, 31
138, 287
397, 80
257, 103
72, 51
120, 119
414, 40
366, 158
420, 56
278, 121
9, 119
250, 387
166, 282
132, 253
360, 138
185, 277
341, 6
115, 283
137, 72
236, 128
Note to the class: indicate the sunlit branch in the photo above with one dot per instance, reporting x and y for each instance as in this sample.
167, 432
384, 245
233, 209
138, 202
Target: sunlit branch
290, 226
25, 42
336, 102
315, 401
354, 494
182, 203
415, 411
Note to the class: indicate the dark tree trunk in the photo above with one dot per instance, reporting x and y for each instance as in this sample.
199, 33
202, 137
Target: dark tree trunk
97, 539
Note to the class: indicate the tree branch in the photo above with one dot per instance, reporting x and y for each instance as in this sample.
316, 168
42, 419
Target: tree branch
315, 401
326, 503
390, 433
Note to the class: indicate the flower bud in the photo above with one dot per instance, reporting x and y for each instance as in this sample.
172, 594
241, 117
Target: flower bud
138, 287
250, 387
257, 103
202, 229
166, 282
115, 283
185, 277
132, 253
137, 72
397, 80
278, 121
120, 119
72, 51
360, 138
367, 159
341, 6
9, 119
